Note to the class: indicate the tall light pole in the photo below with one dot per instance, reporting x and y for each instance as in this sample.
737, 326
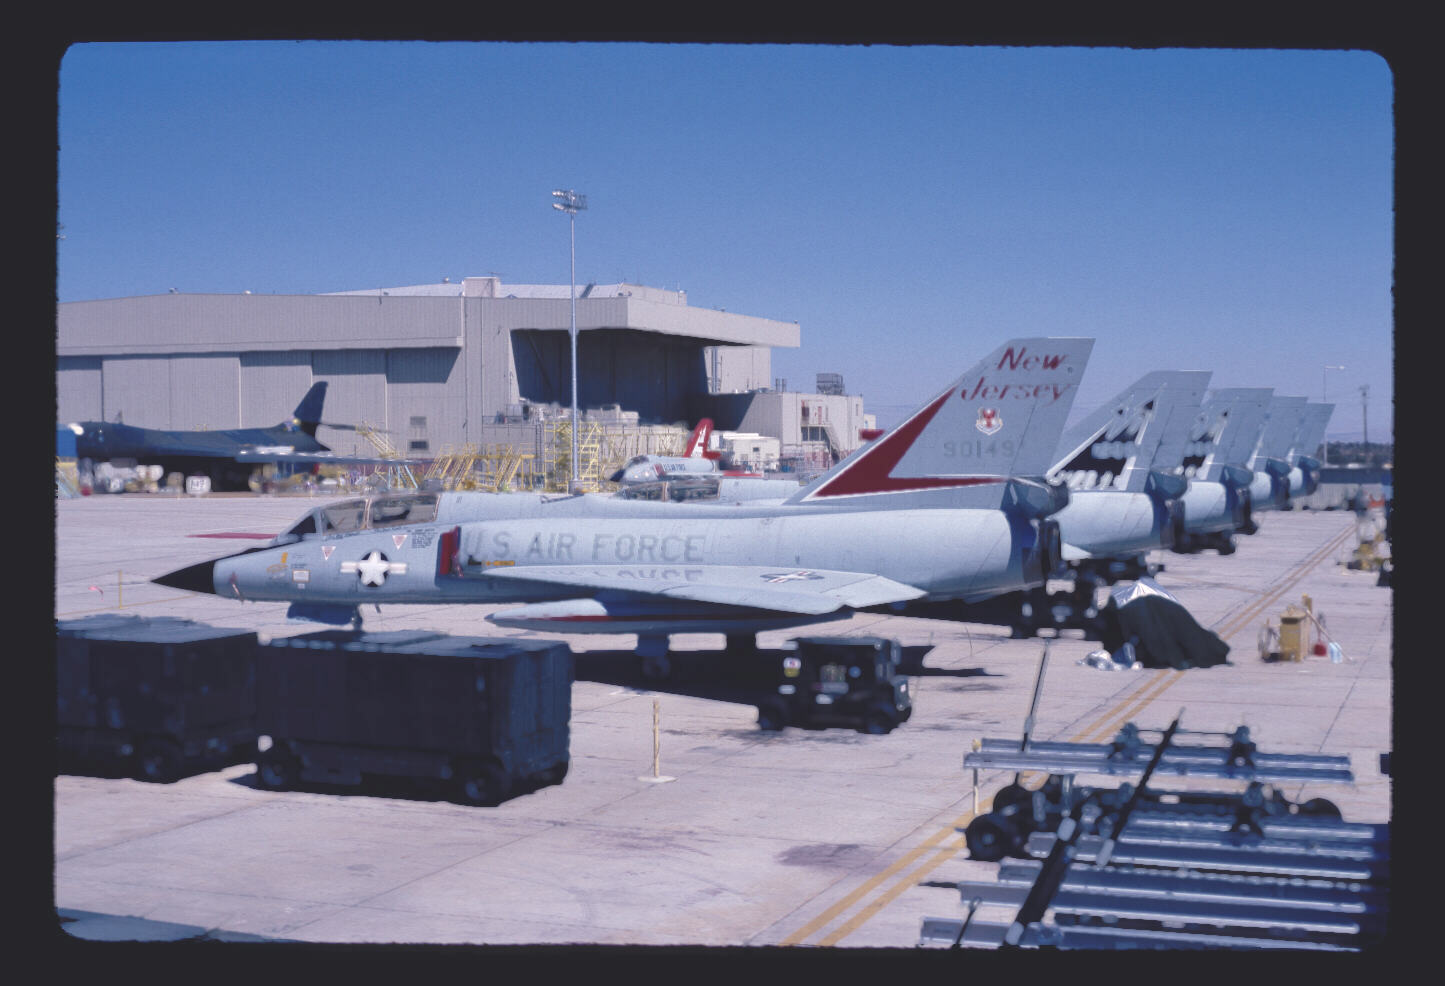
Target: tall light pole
1324, 399
571, 203
1365, 411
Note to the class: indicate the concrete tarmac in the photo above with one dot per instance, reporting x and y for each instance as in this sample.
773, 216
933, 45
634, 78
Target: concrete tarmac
729, 836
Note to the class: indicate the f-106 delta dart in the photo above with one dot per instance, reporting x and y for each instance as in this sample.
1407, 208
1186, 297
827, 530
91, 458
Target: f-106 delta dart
949, 504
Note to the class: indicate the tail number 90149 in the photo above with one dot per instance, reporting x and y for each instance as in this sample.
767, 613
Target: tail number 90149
979, 448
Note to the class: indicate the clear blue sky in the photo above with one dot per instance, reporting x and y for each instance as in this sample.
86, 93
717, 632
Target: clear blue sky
909, 207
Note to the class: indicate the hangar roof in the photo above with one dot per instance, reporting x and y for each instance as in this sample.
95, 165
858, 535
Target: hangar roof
403, 317
492, 287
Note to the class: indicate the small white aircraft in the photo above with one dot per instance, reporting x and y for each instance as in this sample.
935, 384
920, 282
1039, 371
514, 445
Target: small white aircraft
697, 472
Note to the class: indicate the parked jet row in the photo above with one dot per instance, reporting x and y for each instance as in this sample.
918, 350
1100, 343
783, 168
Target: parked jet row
1154, 469
963, 511
1292, 434
1122, 504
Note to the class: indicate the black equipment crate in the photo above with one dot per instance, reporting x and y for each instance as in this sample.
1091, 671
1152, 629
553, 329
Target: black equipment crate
483, 715
160, 696
837, 681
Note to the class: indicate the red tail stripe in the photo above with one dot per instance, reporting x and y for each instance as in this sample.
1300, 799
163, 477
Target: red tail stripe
699, 438
870, 472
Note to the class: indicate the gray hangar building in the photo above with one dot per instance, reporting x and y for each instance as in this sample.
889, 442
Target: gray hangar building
439, 365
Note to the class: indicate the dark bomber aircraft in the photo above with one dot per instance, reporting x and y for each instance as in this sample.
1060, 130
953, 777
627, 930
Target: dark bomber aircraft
949, 504
227, 458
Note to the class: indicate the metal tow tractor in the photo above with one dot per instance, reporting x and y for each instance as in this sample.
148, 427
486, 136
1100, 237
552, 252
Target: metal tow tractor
838, 681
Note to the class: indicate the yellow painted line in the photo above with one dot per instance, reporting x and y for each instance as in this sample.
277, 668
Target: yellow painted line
1108, 725
940, 857
1111, 724
905, 861
1231, 626
1114, 721
871, 909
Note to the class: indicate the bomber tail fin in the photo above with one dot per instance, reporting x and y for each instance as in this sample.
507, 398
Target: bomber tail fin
308, 413
1002, 419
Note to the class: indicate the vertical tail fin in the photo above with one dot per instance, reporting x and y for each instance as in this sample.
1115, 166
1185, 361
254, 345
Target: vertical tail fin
1001, 419
1311, 433
1115, 447
1225, 431
697, 443
1185, 395
1282, 421
308, 413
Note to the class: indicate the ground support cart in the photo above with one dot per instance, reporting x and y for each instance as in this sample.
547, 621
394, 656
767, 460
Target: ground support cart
836, 681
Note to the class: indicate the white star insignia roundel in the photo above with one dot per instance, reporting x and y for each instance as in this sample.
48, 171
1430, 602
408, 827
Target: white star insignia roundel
374, 568
790, 576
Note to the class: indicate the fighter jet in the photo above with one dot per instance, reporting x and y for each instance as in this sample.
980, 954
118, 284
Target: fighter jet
1221, 439
1270, 489
1120, 506
1304, 474
949, 504
696, 459
229, 459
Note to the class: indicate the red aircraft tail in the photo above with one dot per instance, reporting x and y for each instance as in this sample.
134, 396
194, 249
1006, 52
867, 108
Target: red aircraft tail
697, 444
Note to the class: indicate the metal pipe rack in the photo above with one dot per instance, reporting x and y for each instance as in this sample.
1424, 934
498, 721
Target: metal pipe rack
1131, 867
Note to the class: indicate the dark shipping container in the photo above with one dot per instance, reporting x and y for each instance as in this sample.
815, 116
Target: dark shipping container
158, 697
484, 716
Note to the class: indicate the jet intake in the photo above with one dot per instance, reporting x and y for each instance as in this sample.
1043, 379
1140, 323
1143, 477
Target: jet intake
449, 550
1174, 533
1046, 558
1310, 469
1244, 512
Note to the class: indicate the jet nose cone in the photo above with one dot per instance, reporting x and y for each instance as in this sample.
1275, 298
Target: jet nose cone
194, 578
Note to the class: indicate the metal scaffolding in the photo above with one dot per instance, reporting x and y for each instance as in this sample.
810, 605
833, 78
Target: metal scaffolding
397, 476
557, 458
